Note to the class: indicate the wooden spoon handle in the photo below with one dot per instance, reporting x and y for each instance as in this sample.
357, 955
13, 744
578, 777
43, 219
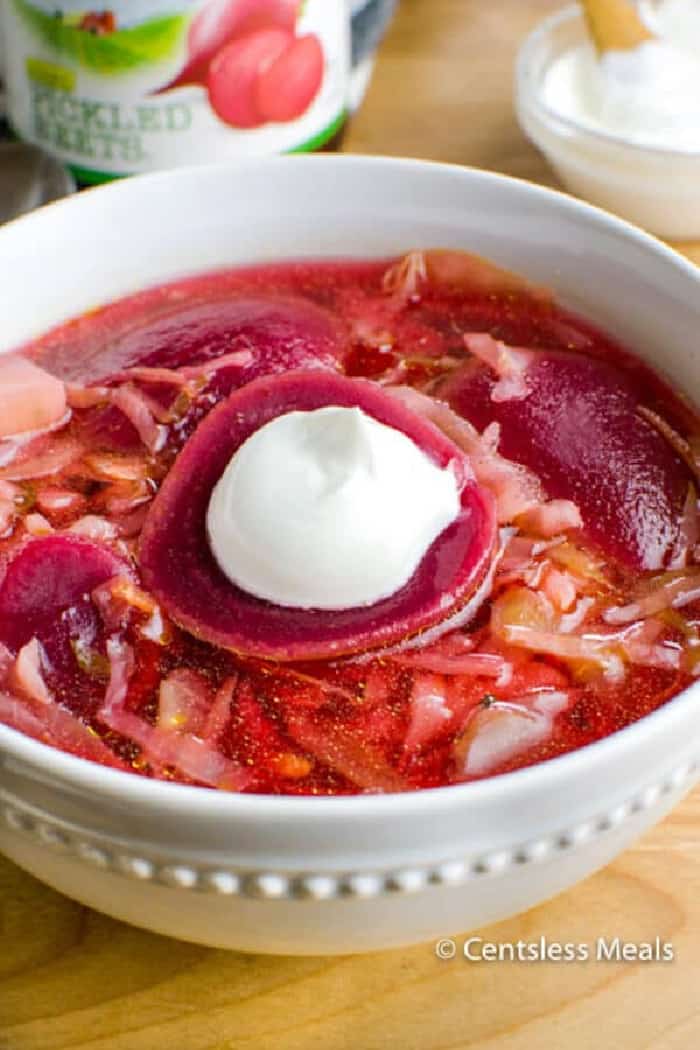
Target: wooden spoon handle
614, 25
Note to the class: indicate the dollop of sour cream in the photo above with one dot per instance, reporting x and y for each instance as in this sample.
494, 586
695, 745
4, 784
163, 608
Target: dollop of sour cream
327, 509
675, 20
648, 95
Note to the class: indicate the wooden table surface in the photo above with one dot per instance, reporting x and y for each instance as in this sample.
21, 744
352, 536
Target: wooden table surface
72, 978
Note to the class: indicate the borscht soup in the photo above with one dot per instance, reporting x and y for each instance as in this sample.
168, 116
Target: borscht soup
328, 528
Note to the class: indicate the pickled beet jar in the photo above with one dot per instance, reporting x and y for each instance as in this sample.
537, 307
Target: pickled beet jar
149, 84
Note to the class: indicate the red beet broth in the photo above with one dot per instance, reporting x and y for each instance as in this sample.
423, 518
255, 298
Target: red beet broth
578, 638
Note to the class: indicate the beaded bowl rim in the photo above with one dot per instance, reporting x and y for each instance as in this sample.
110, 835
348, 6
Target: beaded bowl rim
104, 852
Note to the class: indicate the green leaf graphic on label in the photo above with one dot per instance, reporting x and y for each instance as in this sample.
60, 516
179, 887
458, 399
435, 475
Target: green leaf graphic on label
50, 75
117, 52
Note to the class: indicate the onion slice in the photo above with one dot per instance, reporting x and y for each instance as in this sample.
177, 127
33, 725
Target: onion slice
56, 726
344, 750
670, 594
509, 363
515, 488
135, 406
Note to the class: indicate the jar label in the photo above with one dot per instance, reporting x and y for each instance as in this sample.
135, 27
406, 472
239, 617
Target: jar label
154, 84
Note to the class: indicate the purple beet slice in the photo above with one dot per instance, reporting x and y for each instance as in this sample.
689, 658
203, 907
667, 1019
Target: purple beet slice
270, 334
45, 594
47, 576
578, 429
282, 331
180, 570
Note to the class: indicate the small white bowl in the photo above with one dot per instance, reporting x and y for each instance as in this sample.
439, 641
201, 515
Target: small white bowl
656, 188
313, 875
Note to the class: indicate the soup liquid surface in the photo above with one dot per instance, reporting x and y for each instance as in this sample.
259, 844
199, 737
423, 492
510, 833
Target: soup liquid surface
421, 718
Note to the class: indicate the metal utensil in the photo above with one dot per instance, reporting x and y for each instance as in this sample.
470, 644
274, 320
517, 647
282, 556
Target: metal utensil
28, 178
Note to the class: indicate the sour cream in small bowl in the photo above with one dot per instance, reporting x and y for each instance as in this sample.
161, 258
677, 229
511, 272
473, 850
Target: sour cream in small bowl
622, 131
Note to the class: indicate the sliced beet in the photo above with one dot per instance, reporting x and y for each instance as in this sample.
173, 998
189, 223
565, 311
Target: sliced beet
45, 577
279, 333
179, 568
45, 594
578, 429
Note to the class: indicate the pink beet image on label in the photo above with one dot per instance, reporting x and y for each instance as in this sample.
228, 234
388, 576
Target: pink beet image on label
234, 73
286, 89
221, 21
268, 75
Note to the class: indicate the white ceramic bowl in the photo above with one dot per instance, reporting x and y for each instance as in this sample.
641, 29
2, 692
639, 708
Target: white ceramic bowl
312, 875
657, 188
